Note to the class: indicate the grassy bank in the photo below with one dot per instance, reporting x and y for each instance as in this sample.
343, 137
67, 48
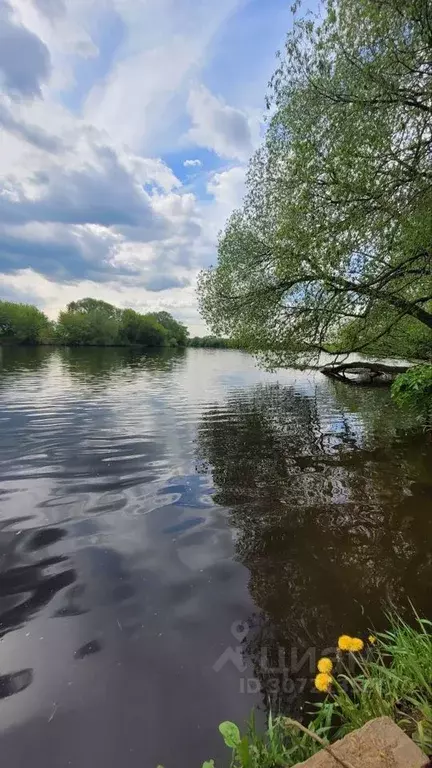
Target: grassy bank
390, 674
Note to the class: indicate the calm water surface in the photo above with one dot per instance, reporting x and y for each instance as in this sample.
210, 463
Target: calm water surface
176, 531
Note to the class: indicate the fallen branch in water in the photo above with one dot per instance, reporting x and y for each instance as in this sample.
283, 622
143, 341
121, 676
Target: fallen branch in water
369, 373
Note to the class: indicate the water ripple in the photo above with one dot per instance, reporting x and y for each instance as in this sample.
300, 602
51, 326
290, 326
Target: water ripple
152, 503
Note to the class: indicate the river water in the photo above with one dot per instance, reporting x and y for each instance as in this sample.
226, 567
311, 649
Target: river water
181, 535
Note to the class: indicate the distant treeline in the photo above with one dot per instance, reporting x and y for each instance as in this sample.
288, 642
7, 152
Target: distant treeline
213, 342
91, 322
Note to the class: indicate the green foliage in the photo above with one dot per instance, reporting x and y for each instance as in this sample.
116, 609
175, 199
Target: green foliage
392, 677
90, 322
143, 330
48, 333
23, 324
177, 333
92, 326
407, 339
280, 745
413, 390
89, 305
230, 734
337, 221
211, 342
100, 324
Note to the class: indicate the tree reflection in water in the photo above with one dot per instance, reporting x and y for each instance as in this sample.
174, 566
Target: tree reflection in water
29, 582
332, 519
90, 366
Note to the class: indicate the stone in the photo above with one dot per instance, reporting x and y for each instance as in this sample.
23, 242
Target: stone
379, 744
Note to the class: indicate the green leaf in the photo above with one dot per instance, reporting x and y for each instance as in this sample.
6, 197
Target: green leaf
208, 764
230, 733
243, 750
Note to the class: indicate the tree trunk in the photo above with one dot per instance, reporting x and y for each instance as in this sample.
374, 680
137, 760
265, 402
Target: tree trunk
366, 373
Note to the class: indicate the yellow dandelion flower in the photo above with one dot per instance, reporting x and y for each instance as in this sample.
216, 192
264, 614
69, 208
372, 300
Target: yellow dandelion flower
372, 639
356, 644
325, 665
344, 643
323, 682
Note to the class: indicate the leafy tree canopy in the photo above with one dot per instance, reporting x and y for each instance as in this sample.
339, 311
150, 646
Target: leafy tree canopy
23, 323
213, 342
94, 305
90, 322
413, 390
336, 225
177, 332
82, 327
406, 339
142, 329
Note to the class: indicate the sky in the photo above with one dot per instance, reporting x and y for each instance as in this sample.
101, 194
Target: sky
125, 131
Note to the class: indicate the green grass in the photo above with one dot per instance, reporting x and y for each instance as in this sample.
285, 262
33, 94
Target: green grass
392, 677
278, 746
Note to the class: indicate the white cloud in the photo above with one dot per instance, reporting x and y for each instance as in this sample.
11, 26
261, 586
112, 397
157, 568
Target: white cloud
151, 170
215, 125
228, 189
30, 133
67, 34
192, 163
25, 61
53, 9
87, 207
141, 102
